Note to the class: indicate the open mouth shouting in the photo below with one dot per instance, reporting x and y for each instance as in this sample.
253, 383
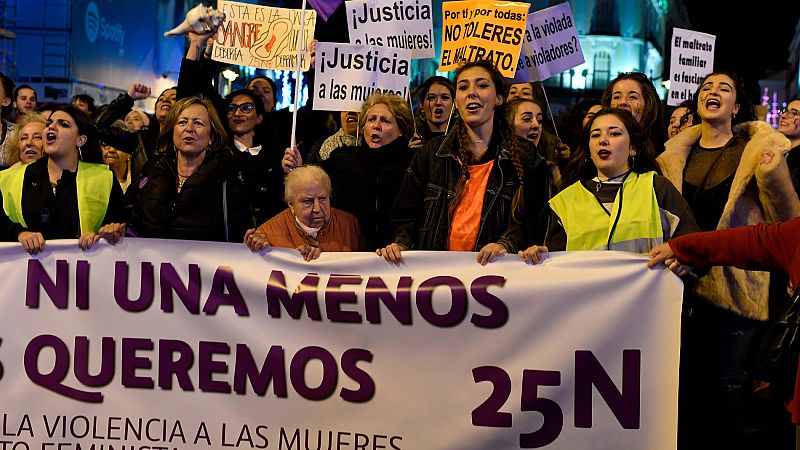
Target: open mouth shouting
713, 104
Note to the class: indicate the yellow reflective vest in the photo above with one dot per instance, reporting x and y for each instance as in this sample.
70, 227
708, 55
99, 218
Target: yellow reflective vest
94, 183
634, 223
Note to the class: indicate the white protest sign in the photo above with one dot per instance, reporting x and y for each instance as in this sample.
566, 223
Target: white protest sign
158, 344
389, 23
263, 36
692, 59
550, 46
346, 74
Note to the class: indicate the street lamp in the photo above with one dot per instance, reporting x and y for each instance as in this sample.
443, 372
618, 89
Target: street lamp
229, 75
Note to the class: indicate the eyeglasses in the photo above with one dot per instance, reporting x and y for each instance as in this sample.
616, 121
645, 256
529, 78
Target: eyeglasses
790, 113
245, 107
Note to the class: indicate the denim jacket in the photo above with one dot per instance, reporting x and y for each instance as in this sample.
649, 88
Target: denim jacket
421, 212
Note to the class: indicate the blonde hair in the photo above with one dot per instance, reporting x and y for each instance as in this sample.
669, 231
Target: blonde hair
24, 121
398, 107
219, 137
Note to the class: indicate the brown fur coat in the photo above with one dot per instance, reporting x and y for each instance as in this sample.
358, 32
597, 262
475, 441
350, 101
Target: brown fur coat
759, 194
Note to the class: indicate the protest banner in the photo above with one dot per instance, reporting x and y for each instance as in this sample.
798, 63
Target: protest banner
479, 29
390, 23
692, 59
550, 46
263, 36
346, 74
156, 344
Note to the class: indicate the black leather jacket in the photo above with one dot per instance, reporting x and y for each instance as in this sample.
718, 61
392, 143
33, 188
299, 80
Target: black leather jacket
421, 212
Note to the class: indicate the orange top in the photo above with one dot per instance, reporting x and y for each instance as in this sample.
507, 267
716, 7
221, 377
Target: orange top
466, 220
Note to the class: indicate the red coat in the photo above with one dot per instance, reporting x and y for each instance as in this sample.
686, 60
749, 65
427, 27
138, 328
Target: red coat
757, 247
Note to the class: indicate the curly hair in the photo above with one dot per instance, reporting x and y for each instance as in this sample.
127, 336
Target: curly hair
501, 131
25, 120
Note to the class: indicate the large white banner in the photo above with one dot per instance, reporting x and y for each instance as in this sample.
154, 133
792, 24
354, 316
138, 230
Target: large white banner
186, 345
347, 74
392, 24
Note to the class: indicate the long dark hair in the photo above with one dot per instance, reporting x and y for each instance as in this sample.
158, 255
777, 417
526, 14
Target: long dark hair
90, 150
653, 124
420, 93
501, 130
644, 161
747, 111
259, 106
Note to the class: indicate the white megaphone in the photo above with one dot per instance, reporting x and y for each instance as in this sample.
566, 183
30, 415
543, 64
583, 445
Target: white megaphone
200, 19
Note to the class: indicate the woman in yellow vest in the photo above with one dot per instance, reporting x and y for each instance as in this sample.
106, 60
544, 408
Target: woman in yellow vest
620, 203
62, 195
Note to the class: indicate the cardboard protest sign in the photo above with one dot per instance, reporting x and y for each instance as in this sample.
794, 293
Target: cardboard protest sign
491, 30
550, 46
262, 36
346, 74
692, 58
391, 23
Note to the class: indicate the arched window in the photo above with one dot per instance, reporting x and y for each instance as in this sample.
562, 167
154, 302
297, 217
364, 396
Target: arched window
602, 70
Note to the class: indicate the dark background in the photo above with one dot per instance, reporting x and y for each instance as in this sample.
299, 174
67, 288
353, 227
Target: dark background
752, 38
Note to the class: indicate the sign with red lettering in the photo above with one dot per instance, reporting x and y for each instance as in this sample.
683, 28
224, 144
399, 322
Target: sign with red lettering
172, 344
263, 36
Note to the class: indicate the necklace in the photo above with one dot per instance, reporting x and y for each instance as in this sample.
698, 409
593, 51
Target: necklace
600, 182
181, 180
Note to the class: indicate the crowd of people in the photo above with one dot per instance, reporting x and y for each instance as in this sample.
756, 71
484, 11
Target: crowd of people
476, 167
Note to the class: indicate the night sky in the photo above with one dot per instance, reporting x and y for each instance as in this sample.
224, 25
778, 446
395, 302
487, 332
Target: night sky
752, 41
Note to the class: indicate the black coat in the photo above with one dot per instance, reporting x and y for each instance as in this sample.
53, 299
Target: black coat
365, 183
195, 213
54, 214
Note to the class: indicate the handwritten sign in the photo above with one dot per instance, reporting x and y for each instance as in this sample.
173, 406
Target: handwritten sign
264, 37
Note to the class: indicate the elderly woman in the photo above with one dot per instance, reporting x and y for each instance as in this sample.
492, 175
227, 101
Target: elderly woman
193, 192
366, 177
62, 195
27, 141
461, 189
309, 224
